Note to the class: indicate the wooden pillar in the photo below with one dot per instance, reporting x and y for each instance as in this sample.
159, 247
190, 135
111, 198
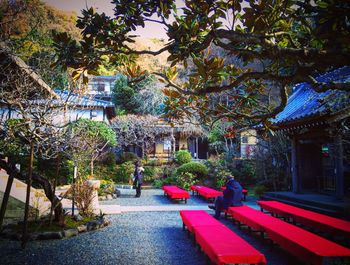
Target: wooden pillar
197, 147
339, 167
294, 168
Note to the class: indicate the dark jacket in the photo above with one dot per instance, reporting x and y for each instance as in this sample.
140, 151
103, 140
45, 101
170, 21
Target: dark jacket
138, 177
232, 194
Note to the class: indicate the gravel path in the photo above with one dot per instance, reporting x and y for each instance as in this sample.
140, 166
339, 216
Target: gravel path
140, 238
133, 238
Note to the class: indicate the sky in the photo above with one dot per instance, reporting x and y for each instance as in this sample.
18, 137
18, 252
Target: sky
151, 30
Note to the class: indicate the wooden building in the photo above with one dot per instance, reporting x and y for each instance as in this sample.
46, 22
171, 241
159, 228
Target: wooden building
179, 137
318, 126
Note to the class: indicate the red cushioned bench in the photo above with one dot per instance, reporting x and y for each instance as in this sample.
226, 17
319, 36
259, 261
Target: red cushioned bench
175, 193
323, 223
205, 192
244, 192
192, 218
220, 244
303, 244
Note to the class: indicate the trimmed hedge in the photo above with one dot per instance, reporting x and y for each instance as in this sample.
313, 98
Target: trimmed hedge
183, 157
195, 168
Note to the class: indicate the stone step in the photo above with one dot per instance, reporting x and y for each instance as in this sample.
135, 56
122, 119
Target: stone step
331, 212
314, 203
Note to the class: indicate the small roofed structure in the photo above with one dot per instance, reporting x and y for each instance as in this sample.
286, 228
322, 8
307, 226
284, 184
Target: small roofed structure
17, 78
158, 138
318, 126
87, 107
179, 136
9, 63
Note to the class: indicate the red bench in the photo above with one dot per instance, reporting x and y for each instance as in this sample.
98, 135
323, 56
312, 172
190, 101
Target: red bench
244, 192
206, 192
303, 244
324, 223
192, 218
175, 193
220, 244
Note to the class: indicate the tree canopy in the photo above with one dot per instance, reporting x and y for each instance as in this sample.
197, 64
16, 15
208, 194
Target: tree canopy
278, 43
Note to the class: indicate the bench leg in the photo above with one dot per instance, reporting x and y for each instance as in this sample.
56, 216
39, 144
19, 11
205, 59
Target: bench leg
185, 200
183, 226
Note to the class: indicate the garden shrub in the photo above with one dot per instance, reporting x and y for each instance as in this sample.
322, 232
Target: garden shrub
105, 172
185, 180
183, 157
195, 168
83, 196
106, 187
158, 183
109, 159
245, 173
167, 170
155, 162
260, 190
151, 173
124, 172
126, 157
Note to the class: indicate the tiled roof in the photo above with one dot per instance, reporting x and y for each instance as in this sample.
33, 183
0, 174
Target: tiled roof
307, 103
83, 101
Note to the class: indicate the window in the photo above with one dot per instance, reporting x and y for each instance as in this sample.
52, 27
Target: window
167, 145
101, 87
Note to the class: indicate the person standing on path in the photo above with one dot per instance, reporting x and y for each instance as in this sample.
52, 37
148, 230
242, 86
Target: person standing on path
138, 178
232, 196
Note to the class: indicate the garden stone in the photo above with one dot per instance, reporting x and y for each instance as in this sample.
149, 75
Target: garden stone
50, 235
106, 222
34, 236
114, 196
82, 228
78, 217
94, 183
71, 232
7, 232
92, 225
109, 197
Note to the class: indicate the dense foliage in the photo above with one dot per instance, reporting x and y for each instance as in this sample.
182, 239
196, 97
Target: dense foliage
137, 97
276, 43
195, 168
183, 157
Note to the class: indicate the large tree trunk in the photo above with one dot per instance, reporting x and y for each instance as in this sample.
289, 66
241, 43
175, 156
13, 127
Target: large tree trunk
43, 182
5, 199
25, 236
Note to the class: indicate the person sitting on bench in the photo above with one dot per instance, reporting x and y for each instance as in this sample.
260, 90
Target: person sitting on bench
232, 196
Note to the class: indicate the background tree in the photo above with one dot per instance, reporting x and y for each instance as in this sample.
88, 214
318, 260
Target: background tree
132, 130
131, 96
88, 140
290, 41
26, 26
34, 109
